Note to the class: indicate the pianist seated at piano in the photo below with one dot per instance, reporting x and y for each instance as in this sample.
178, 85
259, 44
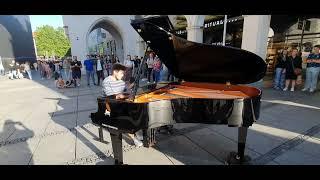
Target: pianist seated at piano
115, 88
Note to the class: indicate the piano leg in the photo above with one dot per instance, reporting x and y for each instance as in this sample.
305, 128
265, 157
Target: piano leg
149, 137
100, 134
242, 137
239, 157
116, 139
167, 128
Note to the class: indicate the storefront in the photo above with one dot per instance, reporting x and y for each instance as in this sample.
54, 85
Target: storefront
296, 32
213, 31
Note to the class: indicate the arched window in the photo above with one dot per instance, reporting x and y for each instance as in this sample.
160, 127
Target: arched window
104, 38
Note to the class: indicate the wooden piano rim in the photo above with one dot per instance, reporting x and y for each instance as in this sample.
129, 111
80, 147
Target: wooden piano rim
199, 91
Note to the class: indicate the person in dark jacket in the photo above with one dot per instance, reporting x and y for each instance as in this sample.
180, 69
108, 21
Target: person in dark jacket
279, 78
294, 61
136, 62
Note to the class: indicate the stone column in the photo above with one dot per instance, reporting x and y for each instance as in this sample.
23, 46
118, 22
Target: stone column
255, 36
195, 33
140, 47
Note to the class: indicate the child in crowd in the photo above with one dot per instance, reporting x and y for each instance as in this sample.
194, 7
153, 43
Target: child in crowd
60, 83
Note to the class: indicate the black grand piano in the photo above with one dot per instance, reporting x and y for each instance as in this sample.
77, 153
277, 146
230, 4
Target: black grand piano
212, 90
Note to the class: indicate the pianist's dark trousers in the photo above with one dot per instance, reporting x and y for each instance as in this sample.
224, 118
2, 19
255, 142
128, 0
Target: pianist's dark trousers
100, 75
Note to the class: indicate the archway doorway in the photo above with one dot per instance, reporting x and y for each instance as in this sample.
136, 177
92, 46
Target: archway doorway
180, 24
105, 38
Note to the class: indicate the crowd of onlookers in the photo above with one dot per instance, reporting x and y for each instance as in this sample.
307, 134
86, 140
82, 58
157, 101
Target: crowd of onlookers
66, 70
288, 70
98, 67
16, 70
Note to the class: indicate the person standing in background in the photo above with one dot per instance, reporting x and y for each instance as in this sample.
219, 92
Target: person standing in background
27, 69
137, 62
35, 65
108, 65
47, 70
279, 78
313, 69
99, 69
164, 73
157, 68
294, 61
150, 62
117, 59
66, 68
41, 69
129, 64
88, 63
1, 68
76, 70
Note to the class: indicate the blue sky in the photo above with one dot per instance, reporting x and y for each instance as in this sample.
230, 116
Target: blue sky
40, 20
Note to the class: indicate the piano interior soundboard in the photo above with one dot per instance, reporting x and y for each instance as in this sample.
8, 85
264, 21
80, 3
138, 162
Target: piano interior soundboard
178, 91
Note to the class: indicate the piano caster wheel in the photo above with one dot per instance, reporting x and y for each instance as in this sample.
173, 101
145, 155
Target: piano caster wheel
168, 130
234, 159
149, 144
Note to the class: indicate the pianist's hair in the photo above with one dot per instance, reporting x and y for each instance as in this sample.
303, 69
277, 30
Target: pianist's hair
118, 67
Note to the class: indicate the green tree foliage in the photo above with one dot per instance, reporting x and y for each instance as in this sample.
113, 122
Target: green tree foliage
51, 41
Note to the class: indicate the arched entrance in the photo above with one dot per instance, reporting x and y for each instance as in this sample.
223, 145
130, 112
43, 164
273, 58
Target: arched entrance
109, 38
180, 24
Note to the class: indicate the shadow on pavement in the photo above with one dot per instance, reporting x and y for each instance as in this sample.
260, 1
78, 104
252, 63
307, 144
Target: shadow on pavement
15, 151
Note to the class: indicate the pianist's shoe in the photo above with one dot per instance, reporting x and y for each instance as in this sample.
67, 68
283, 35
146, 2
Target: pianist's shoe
137, 142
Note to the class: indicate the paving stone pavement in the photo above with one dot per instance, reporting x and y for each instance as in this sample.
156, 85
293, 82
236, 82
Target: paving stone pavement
40, 124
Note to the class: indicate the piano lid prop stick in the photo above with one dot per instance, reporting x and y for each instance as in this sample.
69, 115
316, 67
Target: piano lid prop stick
137, 78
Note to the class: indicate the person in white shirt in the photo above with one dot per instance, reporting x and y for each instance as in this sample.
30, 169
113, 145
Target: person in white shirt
1, 67
27, 69
99, 70
150, 62
66, 68
129, 65
19, 75
35, 65
12, 72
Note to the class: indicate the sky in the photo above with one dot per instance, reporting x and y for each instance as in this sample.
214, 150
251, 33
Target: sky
41, 20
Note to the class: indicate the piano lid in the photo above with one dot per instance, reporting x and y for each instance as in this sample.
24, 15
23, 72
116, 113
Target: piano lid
198, 62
